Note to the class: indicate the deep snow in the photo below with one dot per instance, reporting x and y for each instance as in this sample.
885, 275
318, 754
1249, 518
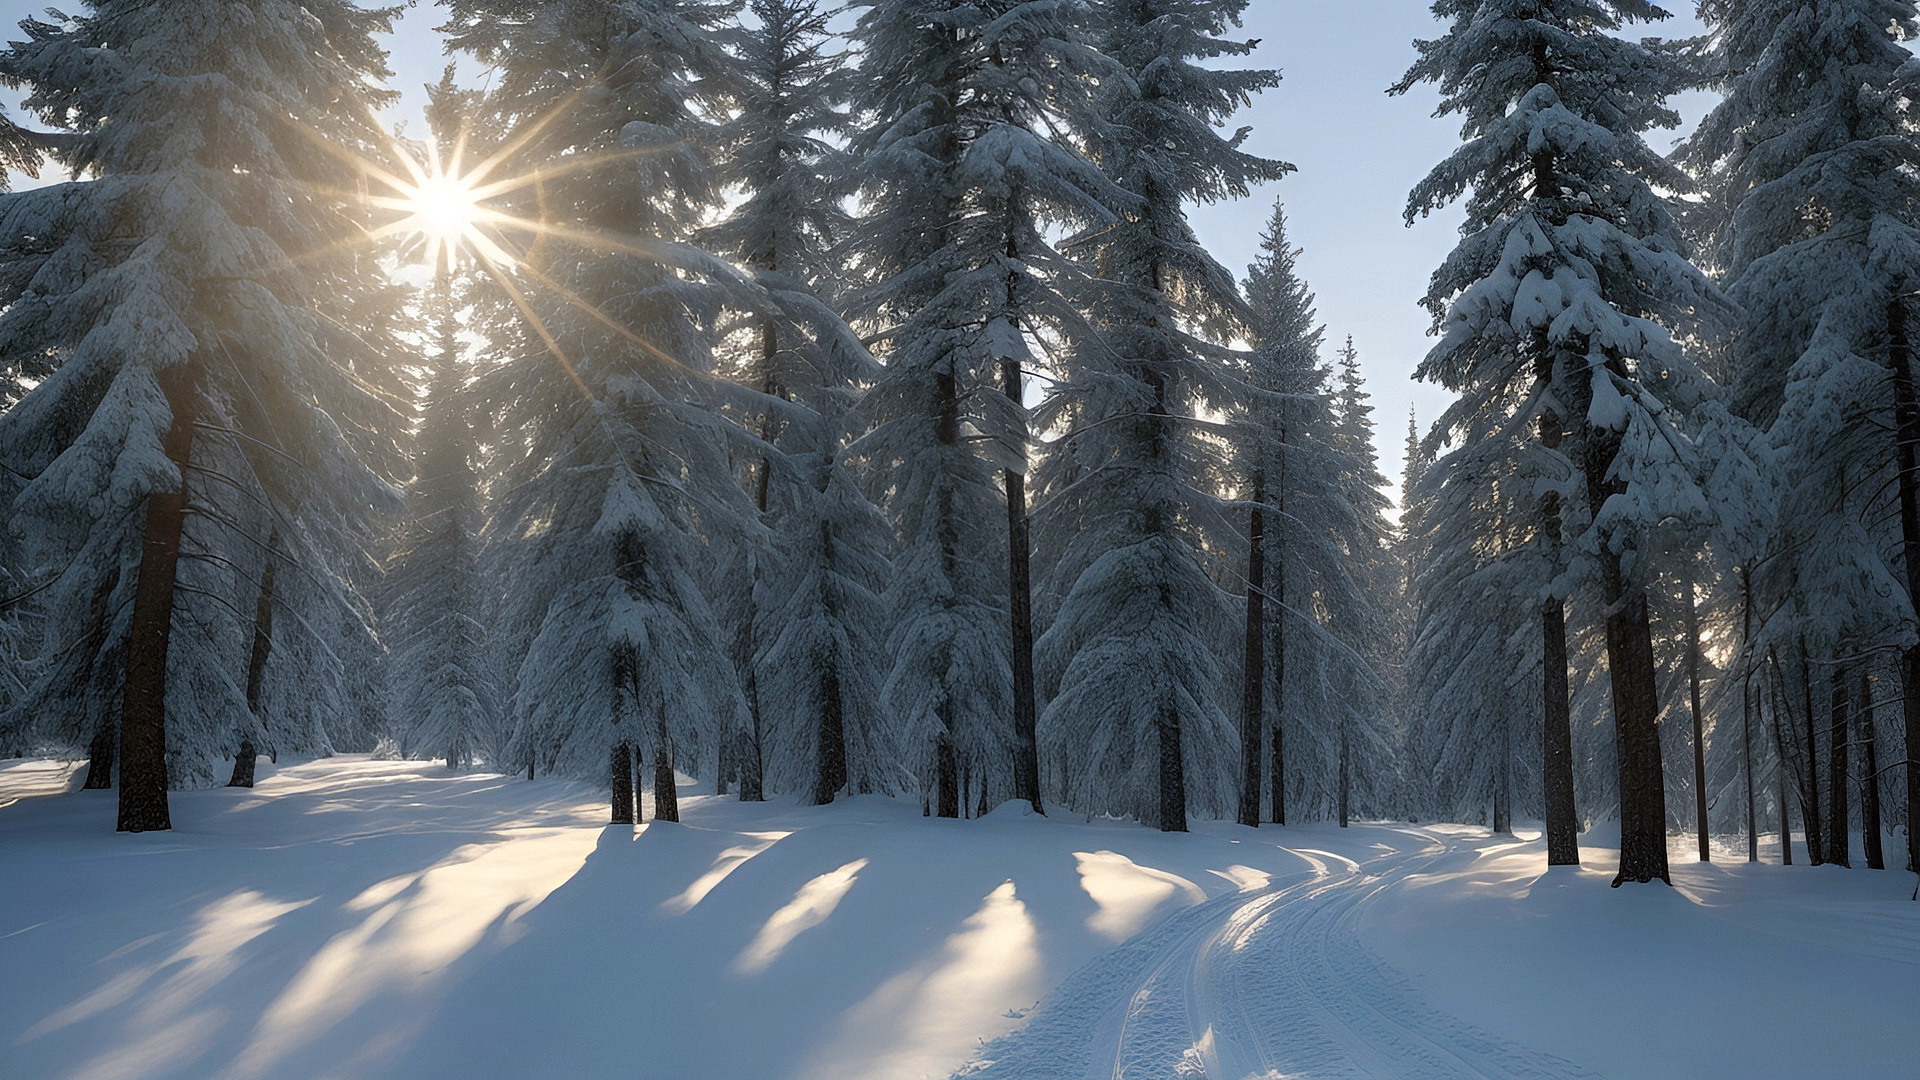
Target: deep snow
360, 919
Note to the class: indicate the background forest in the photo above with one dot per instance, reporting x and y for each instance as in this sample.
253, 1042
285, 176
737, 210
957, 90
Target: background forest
814, 402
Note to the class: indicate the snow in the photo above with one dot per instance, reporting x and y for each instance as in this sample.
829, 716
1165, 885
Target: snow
378, 919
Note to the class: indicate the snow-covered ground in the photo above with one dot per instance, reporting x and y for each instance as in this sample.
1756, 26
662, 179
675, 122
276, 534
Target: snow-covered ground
360, 919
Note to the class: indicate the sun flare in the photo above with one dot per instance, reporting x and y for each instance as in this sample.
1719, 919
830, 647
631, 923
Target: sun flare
441, 208
444, 208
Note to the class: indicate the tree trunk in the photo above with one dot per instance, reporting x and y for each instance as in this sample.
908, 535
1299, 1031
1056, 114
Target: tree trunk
1502, 820
1870, 842
946, 779
1810, 816
1556, 712
1346, 776
1636, 697
666, 786
100, 759
1277, 763
830, 773
1700, 819
243, 761
1173, 774
1253, 676
143, 706
1838, 842
1776, 700
1746, 709
1906, 411
623, 800
1026, 757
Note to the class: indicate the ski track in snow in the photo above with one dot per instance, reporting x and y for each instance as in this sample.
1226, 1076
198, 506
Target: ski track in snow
1271, 983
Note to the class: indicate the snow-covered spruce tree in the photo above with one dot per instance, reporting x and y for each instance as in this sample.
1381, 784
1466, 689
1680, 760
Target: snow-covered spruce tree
1131, 662
1314, 642
181, 444
1554, 315
962, 184
1809, 165
809, 619
618, 474
444, 699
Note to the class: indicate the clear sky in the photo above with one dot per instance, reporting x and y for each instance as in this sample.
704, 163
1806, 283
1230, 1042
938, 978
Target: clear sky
1358, 151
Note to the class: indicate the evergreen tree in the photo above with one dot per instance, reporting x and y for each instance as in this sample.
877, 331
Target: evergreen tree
1811, 213
1131, 660
185, 288
620, 480
811, 627
1554, 315
962, 186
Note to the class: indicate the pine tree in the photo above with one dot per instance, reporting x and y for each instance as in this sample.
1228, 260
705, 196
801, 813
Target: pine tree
1811, 213
1131, 660
621, 480
962, 187
1554, 314
185, 286
811, 626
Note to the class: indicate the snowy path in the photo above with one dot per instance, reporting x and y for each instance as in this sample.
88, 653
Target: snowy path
1272, 981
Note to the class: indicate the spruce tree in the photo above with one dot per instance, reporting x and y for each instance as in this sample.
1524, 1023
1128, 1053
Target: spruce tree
1131, 660
187, 287
1554, 314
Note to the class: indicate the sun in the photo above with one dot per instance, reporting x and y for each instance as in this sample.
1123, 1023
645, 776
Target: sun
443, 208
440, 208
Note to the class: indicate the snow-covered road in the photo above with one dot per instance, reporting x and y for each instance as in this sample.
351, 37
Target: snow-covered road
1269, 982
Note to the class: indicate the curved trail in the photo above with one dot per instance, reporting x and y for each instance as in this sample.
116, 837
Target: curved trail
1263, 984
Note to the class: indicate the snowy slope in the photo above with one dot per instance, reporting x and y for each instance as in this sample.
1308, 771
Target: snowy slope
359, 919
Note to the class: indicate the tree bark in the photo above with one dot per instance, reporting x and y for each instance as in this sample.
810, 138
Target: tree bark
143, 708
1870, 842
1701, 822
1253, 676
1556, 711
1346, 776
622, 761
1776, 700
639, 773
830, 773
1502, 821
244, 759
1746, 709
1811, 819
100, 759
1026, 763
1277, 758
1173, 775
946, 772
1906, 411
666, 786
1838, 842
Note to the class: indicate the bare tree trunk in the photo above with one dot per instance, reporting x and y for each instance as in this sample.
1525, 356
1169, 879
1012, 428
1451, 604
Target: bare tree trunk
1277, 763
1346, 775
1746, 708
623, 800
1253, 676
1502, 820
244, 759
830, 774
100, 759
1870, 841
1556, 711
1699, 723
946, 779
1810, 816
639, 772
143, 705
1777, 700
1838, 842
666, 787
1026, 764
1173, 775
1906, 411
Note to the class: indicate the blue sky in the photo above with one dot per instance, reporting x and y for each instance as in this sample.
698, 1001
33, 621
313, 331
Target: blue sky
1358, 151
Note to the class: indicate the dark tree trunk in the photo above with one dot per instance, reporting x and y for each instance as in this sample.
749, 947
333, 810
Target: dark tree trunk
1277, 749
1346, 776
1776, 700
1810, 816
1869, 786
243, 760
1253, 678
1746, 709
1502, 818
1838, 843
143, 706
1556, 712
1701, 822
666, 787
830, 773
1636, 698
1906, 410
1173, 775
622, 761
639, 775
946, 779
1026, 753
100, 759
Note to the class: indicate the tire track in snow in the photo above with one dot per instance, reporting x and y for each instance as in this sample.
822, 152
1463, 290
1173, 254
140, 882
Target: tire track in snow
1265, 984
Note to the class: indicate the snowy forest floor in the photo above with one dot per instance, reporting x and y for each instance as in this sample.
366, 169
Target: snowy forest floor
359, 919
